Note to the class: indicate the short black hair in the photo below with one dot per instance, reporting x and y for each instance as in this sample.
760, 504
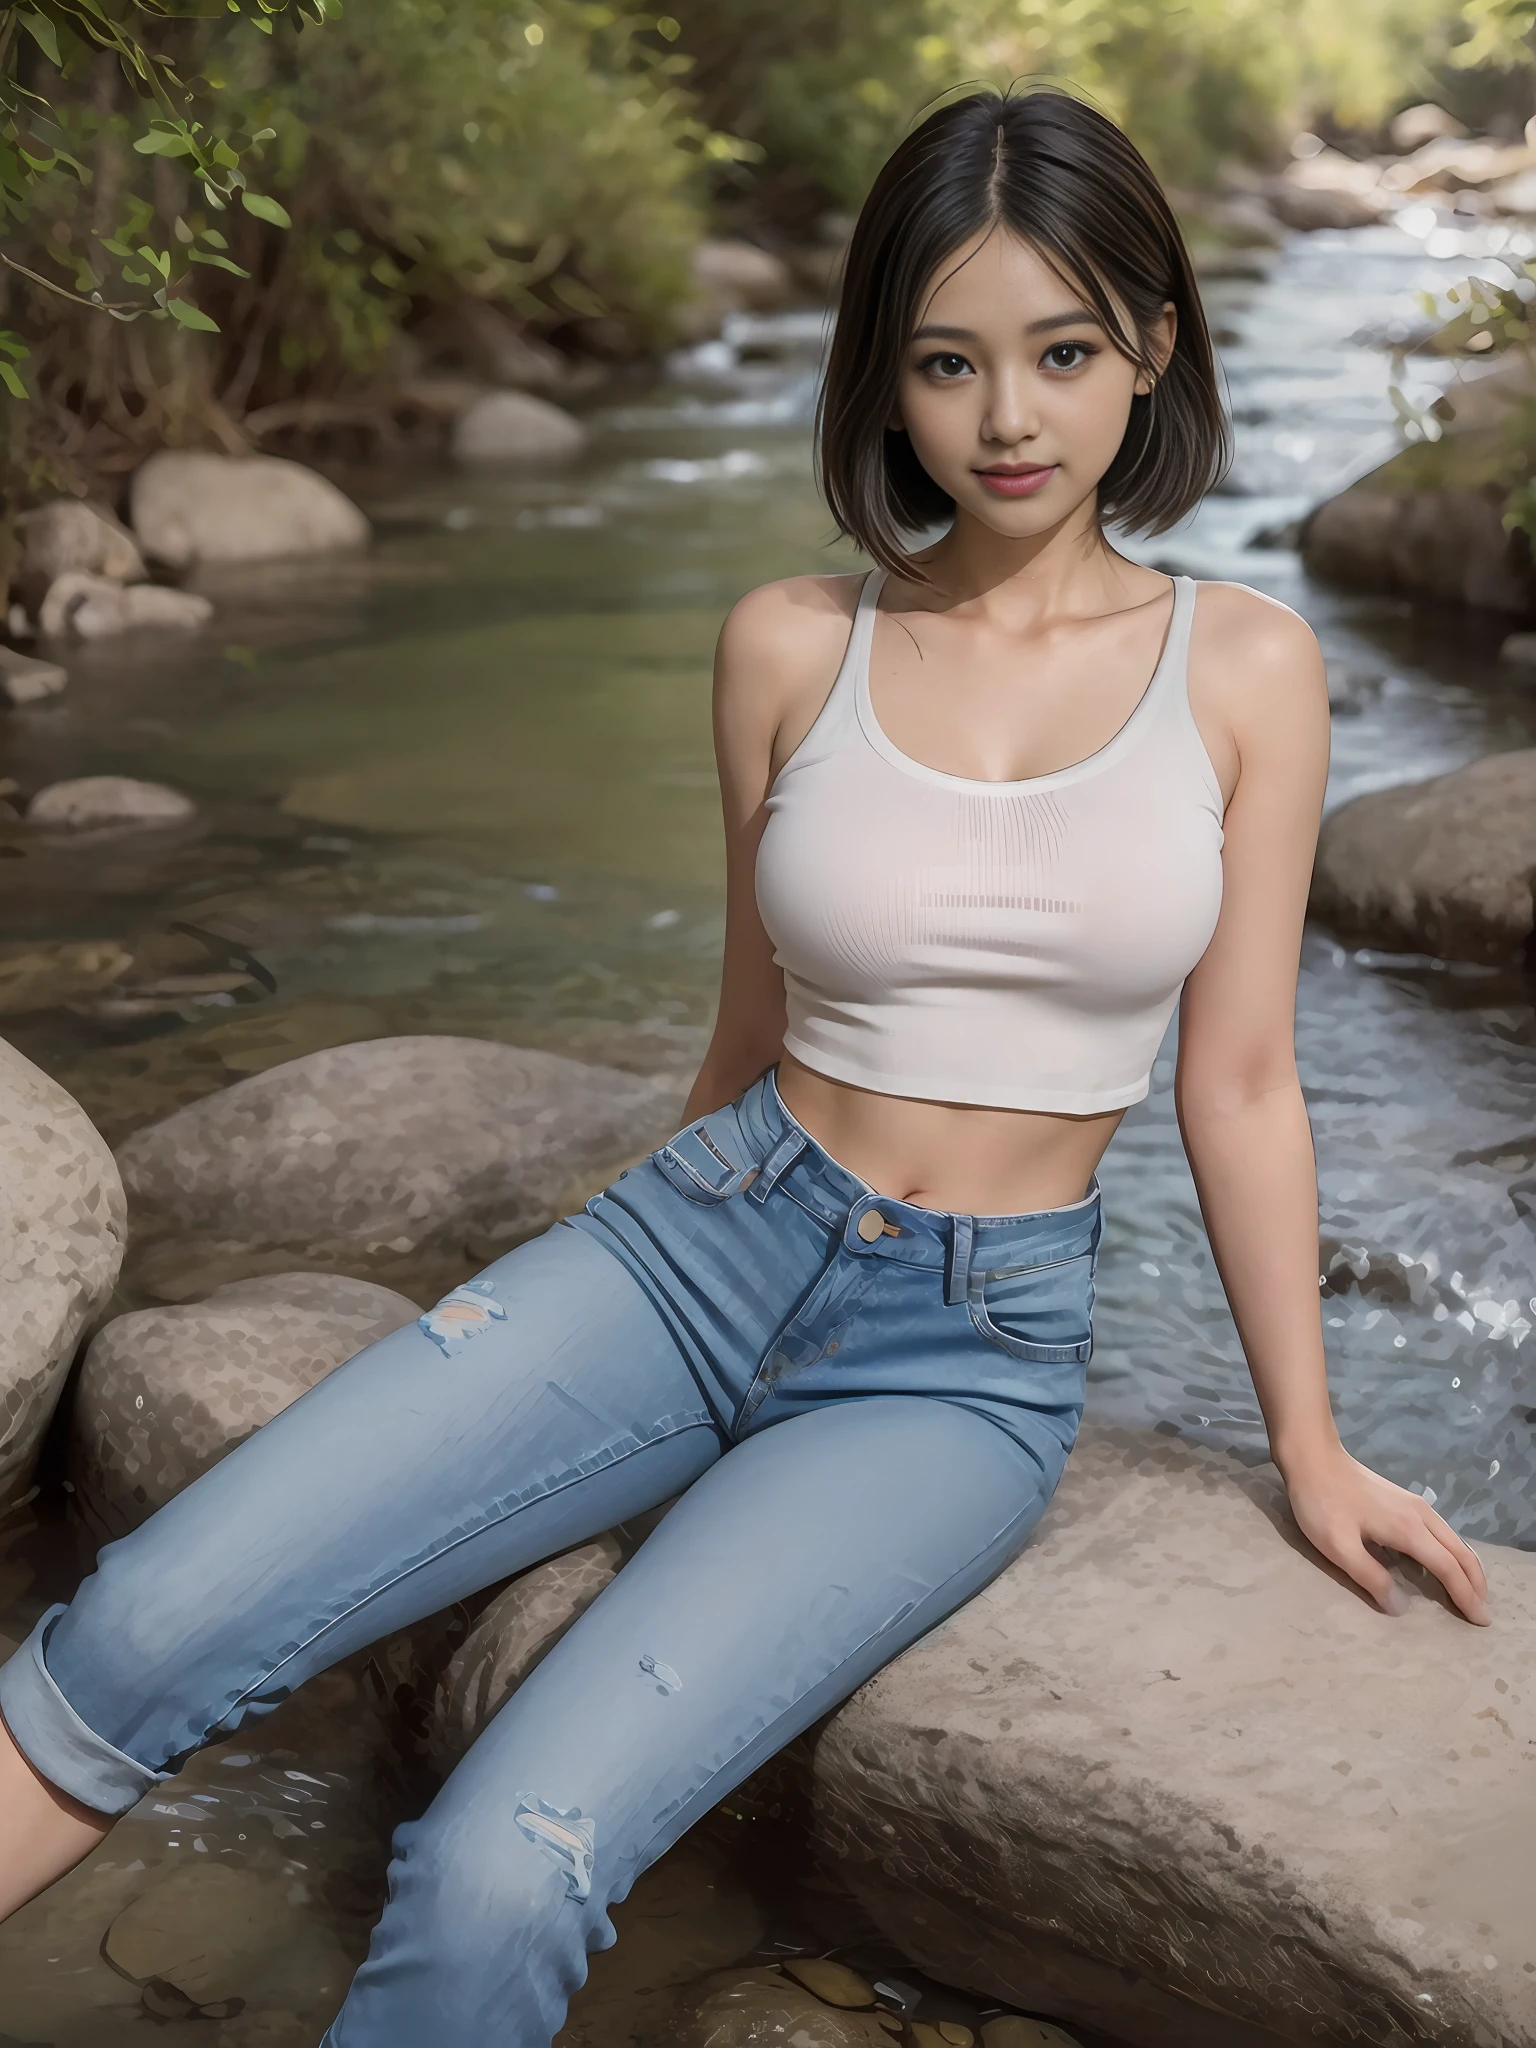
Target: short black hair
1045, 164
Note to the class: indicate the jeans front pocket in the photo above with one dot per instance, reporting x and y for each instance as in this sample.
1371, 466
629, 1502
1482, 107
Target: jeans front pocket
1040, 1313
707, 1160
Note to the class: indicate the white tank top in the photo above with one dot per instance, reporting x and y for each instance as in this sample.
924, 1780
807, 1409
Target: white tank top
1015, 944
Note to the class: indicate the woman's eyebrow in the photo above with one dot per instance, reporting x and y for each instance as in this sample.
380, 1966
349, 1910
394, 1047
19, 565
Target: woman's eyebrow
1080, 316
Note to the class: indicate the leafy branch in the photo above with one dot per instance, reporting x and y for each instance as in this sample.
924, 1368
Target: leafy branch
63, 37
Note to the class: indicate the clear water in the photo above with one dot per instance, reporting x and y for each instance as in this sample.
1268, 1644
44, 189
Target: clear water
466, 786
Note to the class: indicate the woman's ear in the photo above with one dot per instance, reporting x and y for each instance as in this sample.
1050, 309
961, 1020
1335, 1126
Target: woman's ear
1160, 339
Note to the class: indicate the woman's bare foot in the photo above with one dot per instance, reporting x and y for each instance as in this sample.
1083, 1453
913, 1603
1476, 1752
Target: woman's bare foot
43, 1832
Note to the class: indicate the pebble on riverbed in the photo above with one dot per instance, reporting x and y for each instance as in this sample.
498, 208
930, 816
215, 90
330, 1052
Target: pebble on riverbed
92, 608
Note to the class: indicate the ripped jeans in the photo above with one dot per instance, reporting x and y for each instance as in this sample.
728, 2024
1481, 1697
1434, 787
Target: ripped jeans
868, 1404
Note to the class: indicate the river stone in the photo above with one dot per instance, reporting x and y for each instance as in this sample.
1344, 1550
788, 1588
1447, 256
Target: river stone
368, 1155
89, 801
740, 277
191, 506
92, 608
26, 680
55, 971
62, 1231
1443, 866
1428, 523
516, 427
73, 534
1169, 1777
165, 1393
833, 1983
748, 2008
207, 1932
516, 1631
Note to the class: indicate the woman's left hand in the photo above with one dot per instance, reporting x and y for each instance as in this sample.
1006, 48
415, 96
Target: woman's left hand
1342, 1506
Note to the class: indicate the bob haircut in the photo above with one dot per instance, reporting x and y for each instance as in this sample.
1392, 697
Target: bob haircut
1065, 179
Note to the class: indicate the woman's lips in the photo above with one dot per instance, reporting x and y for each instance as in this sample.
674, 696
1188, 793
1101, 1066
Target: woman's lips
1016, 483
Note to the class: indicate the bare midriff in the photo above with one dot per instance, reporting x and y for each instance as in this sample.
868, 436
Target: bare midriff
953, 1156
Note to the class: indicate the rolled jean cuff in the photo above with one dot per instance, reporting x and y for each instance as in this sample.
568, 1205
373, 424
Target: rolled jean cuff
57, 1743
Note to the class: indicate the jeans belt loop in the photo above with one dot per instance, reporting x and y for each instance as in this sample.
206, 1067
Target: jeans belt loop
957, 1281
776, 1165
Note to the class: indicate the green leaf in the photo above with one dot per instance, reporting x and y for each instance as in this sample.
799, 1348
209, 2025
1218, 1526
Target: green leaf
266, 209
214, 239
225, 157
12, 382
157, 259
44, 34
190, 316
219, 262
136, 276
12, 345
164, 142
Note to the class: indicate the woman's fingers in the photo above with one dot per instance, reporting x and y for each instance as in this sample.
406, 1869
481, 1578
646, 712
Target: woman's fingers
1368, 1572
1471, 1563
1417, 1540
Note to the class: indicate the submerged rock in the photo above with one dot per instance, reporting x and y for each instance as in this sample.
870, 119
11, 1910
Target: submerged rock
1443, 866
366, 1155
1170, 1778
191, 506
516, 427
92, 608
88, 802
745, 2008
165, 1392
55, 971
26, 680
62, 1230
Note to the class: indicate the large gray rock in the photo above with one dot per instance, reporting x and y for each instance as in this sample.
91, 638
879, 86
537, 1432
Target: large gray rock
62, 1230
1444, 866
26, 680
190, 506
165, 1393
515, 427
1168, 1777
365, 1155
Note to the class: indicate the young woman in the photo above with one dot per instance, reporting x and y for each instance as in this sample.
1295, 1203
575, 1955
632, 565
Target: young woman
988, 811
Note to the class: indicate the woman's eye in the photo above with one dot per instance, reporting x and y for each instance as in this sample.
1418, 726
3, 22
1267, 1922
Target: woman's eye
945, 368
1068, 355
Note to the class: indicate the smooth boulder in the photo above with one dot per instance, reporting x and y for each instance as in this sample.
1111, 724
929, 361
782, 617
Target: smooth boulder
366, 1155
1169, 1777
515, 427
1444, 866
1428, 523
164, 1393
73, 534
89, 802
189, 506
63, 1224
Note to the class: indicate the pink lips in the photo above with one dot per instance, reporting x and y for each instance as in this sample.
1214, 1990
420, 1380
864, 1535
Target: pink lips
1017, 483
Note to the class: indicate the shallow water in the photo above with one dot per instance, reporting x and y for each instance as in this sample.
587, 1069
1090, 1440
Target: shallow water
466, 786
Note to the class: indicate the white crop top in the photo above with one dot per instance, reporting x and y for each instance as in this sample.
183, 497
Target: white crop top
1015, 944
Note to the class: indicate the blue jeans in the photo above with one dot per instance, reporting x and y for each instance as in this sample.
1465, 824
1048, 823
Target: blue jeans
868, 1403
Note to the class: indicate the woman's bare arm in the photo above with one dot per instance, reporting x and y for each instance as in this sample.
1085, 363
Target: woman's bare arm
777, 657
1240, 1104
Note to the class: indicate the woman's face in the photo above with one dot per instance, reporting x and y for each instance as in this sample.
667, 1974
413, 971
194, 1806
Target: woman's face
1013, 396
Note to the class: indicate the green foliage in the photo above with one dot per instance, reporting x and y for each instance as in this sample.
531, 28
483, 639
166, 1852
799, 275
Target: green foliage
826, 90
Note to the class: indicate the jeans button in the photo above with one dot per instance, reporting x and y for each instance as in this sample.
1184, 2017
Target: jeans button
870, 1225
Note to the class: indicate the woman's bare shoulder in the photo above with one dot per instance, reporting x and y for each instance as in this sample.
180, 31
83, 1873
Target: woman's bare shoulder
788, 629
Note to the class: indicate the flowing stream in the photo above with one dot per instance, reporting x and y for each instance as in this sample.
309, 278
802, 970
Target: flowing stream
465, 785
